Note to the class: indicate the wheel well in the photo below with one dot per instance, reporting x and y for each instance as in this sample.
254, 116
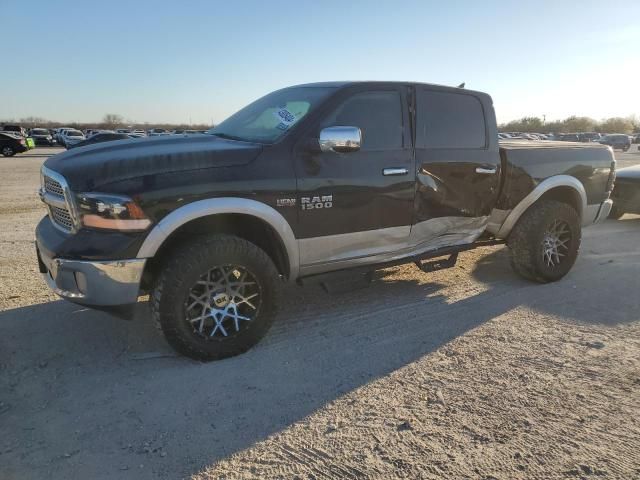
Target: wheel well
248, 227
566, 195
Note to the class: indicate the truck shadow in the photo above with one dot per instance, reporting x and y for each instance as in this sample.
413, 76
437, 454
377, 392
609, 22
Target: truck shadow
113, 392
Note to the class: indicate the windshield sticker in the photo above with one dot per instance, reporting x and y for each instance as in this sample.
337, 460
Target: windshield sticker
285, 117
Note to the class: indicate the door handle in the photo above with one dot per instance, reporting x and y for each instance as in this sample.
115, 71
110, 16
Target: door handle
488, 171
395, 171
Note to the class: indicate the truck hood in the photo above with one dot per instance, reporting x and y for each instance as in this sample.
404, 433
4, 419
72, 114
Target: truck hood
86, 168
631, 173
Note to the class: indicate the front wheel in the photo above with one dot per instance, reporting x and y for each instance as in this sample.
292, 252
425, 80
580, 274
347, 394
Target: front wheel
545, 242
216, 297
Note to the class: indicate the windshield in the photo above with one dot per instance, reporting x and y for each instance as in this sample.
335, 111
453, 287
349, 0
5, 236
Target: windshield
270, 117
39, 131
74, 134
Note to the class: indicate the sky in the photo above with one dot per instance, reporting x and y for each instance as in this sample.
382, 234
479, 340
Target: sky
185, 61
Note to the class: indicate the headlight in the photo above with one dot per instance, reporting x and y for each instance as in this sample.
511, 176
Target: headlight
112, 212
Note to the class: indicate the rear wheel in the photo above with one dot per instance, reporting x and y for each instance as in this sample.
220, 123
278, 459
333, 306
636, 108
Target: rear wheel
545, 242
216, 297
8, 151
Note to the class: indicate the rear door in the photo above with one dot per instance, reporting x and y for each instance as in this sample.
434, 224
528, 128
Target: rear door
458, 167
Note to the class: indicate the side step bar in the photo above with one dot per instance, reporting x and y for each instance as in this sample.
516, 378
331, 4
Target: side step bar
438, 264
419, 260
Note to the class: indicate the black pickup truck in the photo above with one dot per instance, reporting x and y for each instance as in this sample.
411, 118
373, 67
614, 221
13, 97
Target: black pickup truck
303, 183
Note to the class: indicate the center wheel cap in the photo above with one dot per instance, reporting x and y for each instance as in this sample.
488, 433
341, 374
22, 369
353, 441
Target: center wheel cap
221, 300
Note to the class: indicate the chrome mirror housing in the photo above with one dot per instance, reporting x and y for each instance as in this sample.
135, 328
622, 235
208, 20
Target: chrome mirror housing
340, 139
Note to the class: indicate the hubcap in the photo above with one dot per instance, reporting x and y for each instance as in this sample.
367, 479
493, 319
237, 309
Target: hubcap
223, 301
6, 150
555, 243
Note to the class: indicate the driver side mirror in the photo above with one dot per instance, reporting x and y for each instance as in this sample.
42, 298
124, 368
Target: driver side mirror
340, 139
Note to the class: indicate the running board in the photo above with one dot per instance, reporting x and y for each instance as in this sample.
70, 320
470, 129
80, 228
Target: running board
438, 264
435, 265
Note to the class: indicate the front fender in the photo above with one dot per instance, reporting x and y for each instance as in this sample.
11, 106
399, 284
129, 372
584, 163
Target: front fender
222, 205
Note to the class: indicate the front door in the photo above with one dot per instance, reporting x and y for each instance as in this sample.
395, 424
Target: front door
356, 207
458, 168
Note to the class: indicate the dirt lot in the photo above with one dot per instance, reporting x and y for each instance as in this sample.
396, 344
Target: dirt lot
466, 373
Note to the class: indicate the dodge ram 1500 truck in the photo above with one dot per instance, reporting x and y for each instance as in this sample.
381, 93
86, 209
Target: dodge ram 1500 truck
306, 181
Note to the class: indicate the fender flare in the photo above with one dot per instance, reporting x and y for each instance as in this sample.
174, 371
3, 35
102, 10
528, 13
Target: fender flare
542, 188
214, 206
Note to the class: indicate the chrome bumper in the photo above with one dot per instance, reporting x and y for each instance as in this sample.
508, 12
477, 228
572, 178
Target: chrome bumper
603, 212
94, 283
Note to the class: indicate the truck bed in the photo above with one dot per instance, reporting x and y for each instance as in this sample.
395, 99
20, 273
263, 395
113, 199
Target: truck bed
526, 163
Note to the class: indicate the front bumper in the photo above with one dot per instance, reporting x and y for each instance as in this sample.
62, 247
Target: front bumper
93, 283
603, 212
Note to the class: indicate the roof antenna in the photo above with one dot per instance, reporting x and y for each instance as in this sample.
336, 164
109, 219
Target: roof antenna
461, 85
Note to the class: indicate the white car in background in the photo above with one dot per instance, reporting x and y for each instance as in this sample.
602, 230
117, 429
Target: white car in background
71, 136
138, 133
58, 134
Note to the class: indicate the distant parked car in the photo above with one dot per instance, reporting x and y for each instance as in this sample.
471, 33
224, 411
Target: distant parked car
177, 132
41, 136
90, 132
15, 129
156, 132
59, 132
123, 130
617, 141
569, 137
11, 143
636, 139
626, 192
589, 137
71, 137
138, 133
101, 137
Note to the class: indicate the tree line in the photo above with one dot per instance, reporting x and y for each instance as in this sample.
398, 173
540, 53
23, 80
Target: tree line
525, 124
573, 124
109, 122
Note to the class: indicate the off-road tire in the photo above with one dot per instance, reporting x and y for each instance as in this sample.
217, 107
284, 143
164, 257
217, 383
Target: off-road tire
615, 212
185, 266
526, 241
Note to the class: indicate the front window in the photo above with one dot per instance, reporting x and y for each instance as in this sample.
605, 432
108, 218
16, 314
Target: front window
74, 134
269, 118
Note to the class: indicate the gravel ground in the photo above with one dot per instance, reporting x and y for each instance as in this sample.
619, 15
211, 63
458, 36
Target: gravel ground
466, 373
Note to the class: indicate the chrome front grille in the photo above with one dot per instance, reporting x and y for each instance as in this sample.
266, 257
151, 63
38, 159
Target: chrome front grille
52, 186
61, 216
55, 194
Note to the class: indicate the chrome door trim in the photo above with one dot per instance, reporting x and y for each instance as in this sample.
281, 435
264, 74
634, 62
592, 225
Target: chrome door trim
394, 171
336, 252
346, 246
488, 171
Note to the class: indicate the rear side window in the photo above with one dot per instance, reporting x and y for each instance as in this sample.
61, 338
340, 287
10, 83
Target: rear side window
377, 114
449, 120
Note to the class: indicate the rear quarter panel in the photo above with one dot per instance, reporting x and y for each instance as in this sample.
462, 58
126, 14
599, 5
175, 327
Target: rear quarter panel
526, 165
